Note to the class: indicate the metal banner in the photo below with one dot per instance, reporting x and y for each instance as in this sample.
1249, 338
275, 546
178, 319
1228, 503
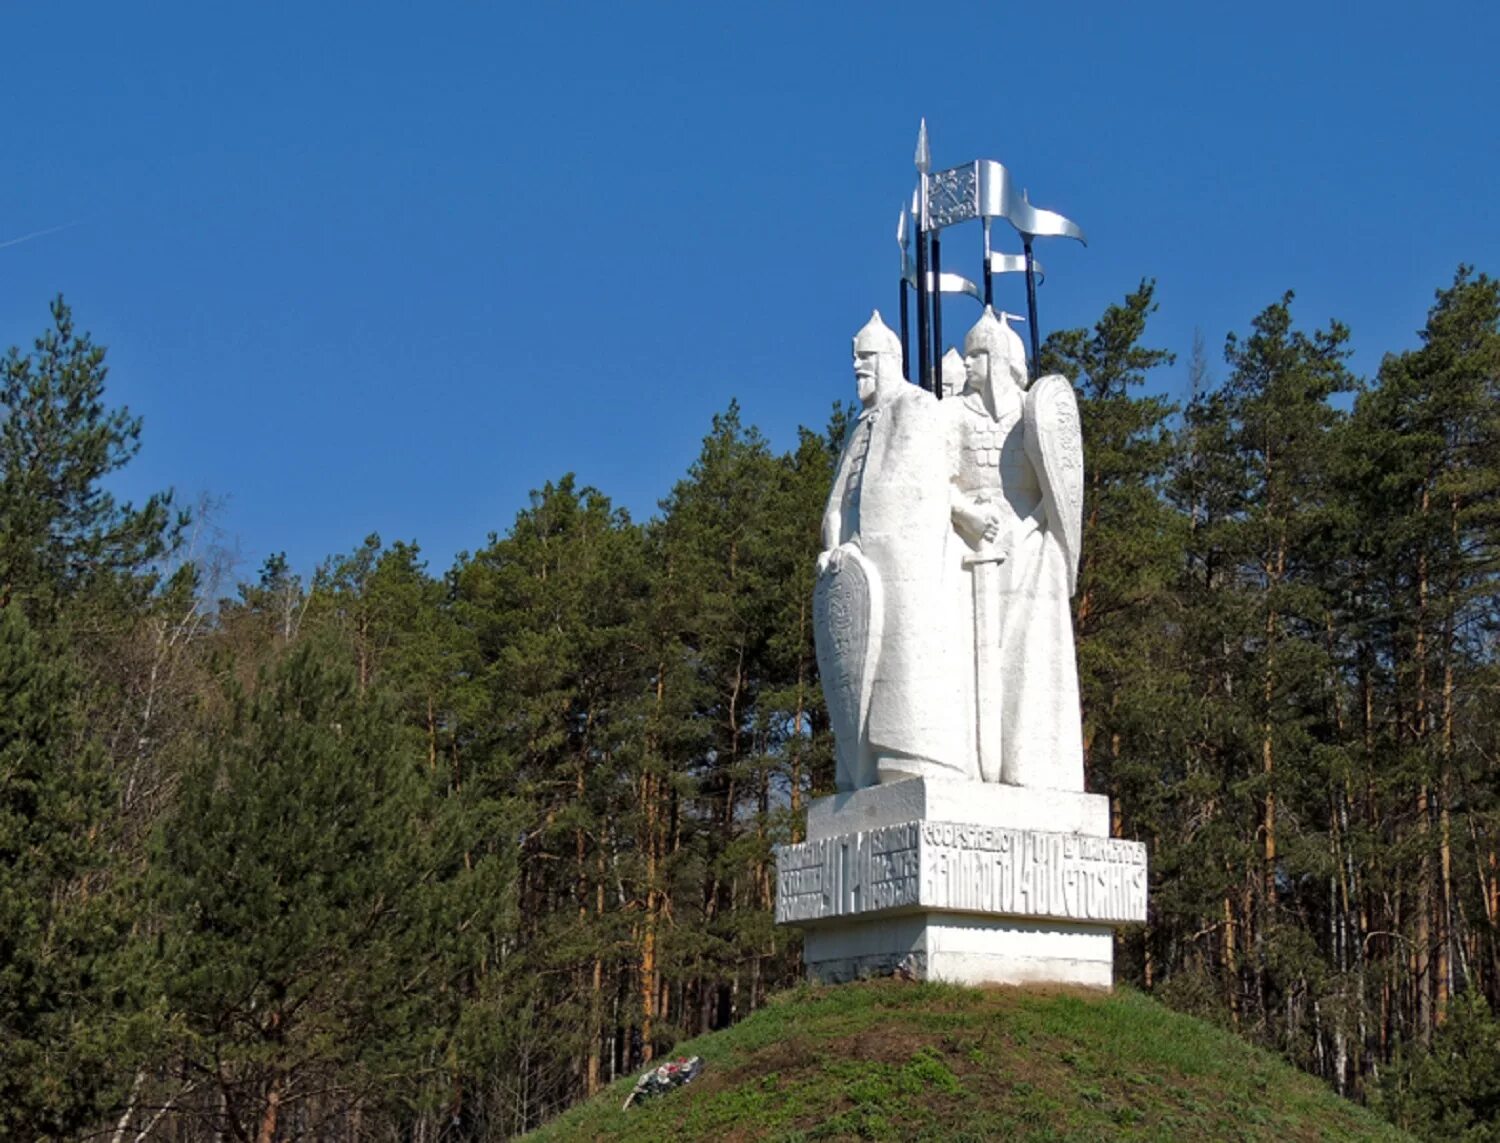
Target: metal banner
1015, 264
985, 189
997, 197
946, 282
953, 196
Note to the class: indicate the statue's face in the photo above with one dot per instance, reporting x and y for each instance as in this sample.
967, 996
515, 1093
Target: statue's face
867, 377
977, 369
876, 376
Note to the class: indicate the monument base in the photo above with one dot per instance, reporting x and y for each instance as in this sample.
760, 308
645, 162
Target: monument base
961, 949
968, 882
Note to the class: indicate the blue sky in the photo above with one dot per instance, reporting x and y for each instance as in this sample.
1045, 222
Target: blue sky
386, 267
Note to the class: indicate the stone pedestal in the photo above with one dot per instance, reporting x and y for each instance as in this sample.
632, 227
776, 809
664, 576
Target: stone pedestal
969, 882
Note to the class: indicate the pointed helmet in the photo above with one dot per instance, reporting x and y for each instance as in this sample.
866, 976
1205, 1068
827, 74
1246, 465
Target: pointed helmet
876, 337
993, 335
953, 373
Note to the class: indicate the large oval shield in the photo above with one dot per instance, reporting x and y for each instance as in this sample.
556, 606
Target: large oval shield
847, 617
1054, 444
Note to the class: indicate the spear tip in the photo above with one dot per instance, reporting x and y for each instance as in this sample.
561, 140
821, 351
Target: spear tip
924, 152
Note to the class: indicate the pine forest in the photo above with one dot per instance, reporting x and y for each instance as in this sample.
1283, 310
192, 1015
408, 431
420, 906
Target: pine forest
399, 852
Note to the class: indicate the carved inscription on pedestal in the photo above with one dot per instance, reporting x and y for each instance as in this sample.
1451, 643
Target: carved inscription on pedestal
957, 867
981, 869
863, 872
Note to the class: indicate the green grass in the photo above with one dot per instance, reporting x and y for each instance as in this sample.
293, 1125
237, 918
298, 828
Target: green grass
898, 1061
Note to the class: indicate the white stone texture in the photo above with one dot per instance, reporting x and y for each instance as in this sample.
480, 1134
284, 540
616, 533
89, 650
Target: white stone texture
962, 881
887, 506
941, 611
961, 845
962, 950
1009, 577
954, 375
1012, 807
968, 866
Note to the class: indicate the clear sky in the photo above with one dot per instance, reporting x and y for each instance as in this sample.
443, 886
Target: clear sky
387, 267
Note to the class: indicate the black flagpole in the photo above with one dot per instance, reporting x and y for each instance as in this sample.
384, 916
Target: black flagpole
905, 325
937, 314
1036, 341
923, 310
924, 164
989, 278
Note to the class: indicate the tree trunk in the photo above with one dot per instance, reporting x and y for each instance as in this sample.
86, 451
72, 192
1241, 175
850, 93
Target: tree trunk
1231, 962
269, 1114
1421, 968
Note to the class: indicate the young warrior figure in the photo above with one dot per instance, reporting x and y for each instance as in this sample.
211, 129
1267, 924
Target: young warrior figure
1016, 463
879, 612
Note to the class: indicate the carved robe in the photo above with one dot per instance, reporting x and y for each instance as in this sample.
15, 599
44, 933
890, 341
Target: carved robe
889, 501
1030, 675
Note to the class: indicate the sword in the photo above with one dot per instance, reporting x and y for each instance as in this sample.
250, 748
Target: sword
988, 628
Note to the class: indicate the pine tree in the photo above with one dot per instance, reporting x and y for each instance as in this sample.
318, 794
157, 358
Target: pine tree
56, 935
293, 884
1254, 485
1423, 476
60, 531
1131, 546
720, 538
552, 724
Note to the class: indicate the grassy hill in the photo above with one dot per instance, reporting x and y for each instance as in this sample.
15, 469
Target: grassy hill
894, 1060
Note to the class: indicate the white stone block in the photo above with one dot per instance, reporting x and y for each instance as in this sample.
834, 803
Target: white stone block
961, 950
962, 867
969, 882
934, 799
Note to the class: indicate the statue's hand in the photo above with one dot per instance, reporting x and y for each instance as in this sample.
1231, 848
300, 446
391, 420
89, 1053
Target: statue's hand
977, 522
832, 559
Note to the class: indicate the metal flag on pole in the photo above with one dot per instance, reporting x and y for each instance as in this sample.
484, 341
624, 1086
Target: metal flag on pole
924, 352
984, 189
947, 281
997, 263
944, 281
1015, 264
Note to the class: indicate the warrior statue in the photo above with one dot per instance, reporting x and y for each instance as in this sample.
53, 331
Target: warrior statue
1016, 467
879, 614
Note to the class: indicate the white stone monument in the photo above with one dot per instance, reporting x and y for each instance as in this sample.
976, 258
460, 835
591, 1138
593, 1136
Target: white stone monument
960, 845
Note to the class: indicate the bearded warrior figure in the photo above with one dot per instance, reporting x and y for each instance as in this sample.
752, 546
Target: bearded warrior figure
1016, 470
879, 617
